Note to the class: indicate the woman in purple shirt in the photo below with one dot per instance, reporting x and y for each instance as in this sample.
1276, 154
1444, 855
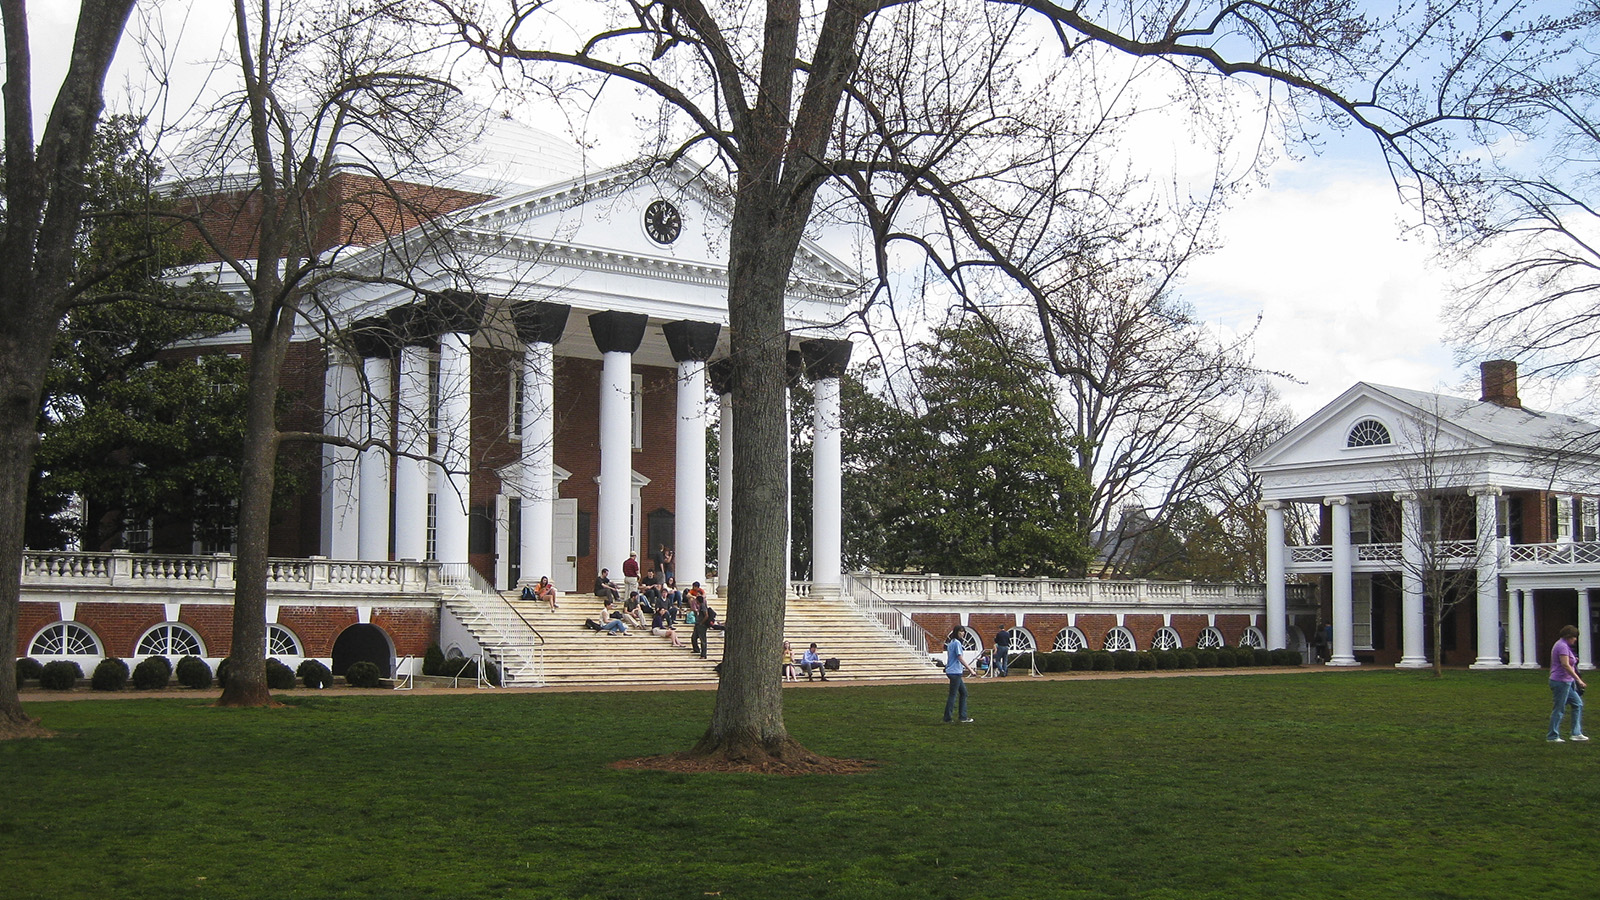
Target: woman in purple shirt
1565, 684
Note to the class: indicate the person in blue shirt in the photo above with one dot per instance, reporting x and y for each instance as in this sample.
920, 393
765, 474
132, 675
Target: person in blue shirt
955, 666
811, 662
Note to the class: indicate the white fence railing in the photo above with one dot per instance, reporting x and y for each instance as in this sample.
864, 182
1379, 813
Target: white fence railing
1064, 591
888, 617
120, 569
1465, 553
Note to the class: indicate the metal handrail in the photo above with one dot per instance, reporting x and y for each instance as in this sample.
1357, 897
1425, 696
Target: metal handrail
905, 629
403, 680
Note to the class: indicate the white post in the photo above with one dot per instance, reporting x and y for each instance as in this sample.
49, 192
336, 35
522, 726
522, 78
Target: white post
454, 445
1343, 591
1413, 625
616, 458
1530, 654
374, 462
411, 477
1585, 644
827, 489
1277, 601
1514, 628
1488, 544
341, 492
538, 461
689, 526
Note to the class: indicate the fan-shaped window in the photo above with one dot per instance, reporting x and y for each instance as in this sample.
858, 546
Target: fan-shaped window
1166, 639
1210, 639
1070, 640
282, 642
1368, 433
1022, 641
65, 639
969, 639
1120, 638
1253, 639
171, 639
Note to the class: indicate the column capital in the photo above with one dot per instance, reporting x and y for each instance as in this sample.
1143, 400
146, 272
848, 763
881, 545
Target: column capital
1403, 496
793, 366
440, 312
618, 332
825, 358
538, 322
720, 374
691, 341
1336, 501
373, 337
1485, 490
1265, 505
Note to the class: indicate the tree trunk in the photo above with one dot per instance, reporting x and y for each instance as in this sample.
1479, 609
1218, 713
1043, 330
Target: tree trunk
247, 666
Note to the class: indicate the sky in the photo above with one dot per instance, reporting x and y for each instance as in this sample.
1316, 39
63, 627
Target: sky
1319, 254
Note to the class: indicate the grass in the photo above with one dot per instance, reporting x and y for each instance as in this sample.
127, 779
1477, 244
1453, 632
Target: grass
1369, 785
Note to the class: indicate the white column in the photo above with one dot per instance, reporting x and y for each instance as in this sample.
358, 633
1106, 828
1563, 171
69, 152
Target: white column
1585, 644
1343, 591
1530, 650
1514, 628
788, 490
412, 474
689, 527
827, 488
538, 460
724, 491
1413, 625
341, 497
1488, 545
616, 461
374, 541
1277, 601
453, 446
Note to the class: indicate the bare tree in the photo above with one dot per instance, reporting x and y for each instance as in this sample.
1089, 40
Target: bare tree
911, 113
40, 277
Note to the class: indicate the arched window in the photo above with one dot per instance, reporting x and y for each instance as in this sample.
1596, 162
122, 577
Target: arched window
1120, 638
65, 639
1070, 640
282, 642
1210, 639
1252, 638
171, 639
1368, 433
970, 641
1166, 639
1022, 641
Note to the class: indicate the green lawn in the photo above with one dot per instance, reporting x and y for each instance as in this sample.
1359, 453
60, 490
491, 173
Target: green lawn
1364, 785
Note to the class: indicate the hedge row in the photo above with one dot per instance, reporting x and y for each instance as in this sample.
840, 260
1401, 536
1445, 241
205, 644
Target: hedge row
155, 672
1149, 660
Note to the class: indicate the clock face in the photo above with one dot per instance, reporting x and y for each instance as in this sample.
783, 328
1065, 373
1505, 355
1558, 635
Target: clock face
662, 222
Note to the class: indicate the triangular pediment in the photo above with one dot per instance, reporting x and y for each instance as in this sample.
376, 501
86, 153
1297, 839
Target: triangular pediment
1413, 425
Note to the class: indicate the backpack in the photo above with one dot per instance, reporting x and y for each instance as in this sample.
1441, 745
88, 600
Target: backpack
527, 592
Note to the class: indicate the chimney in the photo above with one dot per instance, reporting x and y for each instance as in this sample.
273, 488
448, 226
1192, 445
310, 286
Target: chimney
1499, 377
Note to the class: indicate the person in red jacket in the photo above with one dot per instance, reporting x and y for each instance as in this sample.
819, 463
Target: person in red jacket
630, 572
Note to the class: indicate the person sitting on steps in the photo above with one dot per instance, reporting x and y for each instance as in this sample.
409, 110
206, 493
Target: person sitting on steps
811, 662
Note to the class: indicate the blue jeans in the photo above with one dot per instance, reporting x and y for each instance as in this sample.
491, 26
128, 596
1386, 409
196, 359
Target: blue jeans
958, 687
1002, 659
1564, 692
614, 625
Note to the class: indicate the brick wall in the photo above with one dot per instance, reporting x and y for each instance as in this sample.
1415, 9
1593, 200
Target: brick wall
119, 625
213, 622
413, 631
317, 626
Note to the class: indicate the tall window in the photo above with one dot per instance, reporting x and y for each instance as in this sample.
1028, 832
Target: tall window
1591, 519
432, 551
518, 392
1361, 524
1361, 611
638, 412
1561, 512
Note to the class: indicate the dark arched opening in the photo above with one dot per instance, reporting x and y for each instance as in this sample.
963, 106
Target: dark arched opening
363, 642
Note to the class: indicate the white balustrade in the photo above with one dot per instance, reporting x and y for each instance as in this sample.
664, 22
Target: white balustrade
43, 570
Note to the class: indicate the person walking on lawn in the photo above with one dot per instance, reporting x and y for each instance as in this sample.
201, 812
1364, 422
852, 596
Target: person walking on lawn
955, 666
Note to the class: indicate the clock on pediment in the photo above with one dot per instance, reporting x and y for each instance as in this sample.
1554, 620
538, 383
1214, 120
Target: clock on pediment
662, 222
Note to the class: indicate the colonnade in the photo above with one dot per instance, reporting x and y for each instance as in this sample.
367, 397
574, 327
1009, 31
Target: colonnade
431, 426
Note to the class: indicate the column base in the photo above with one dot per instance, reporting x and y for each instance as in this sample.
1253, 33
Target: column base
1488, 664
1347, 662
826, 591
1415, 662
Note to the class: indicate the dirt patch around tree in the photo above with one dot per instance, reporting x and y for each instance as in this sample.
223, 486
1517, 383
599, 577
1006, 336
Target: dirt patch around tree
689, 763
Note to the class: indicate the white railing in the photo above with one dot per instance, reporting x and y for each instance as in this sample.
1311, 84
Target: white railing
1066, 591
135, 570
517, 646
1567, 554
885, 615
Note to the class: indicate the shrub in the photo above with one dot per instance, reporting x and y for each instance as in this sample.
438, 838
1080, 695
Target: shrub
60, 675
1027, 660
1225, 658
1188, 659
194, 673
314, 674
1103, 661
152, 674
1286, 657
279, 676
363, 674
223, 665
1244, 657
433, 661
110, 675
28, 667
1125, 660
1206, 659
1060, 661
1082, 661
1147, 660
1166, 659
1262, 657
